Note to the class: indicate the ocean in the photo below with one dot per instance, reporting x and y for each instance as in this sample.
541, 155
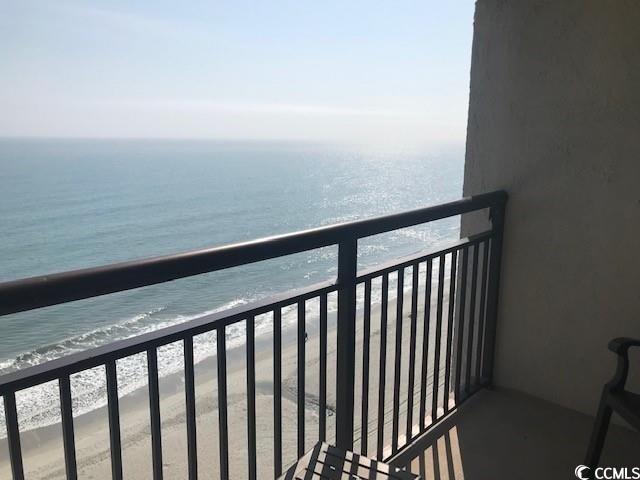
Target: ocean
68, 204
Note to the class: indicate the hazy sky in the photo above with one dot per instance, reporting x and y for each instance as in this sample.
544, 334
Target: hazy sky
322, 70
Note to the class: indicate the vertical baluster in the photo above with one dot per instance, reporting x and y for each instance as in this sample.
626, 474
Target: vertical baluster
190, 410
483, 302
68, 438
472, 316
452, 303
461, 321
438, 340
323, 368
223, 431
495, 258
154, 408
347, 266
251, 396
13, 435
398, 362
383, 364
425, 344
113, 407
301, 375
277, 391
364, 430
412, 348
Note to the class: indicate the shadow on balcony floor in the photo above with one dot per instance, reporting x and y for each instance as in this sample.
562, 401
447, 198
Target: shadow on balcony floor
500, 434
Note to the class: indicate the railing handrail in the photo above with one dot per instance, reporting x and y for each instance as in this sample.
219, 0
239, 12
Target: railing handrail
93, 357
47, 290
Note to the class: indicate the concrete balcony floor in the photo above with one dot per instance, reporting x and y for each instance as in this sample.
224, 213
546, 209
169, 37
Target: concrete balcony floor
499, 434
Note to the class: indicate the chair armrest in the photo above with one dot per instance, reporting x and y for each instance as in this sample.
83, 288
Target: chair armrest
622, 344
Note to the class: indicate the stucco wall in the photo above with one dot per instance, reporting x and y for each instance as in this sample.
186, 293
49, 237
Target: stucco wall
554, 119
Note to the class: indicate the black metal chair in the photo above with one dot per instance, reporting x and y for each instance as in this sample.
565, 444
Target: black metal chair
614, 398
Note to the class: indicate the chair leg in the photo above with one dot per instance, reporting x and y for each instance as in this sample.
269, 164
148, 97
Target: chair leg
600, 427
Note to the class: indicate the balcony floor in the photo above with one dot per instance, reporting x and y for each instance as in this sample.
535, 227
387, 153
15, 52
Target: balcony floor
500, 434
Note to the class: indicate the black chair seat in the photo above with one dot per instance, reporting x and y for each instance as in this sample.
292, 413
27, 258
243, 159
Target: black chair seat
327, 462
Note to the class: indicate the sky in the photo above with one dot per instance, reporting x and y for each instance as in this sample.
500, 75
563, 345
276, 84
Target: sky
344, 70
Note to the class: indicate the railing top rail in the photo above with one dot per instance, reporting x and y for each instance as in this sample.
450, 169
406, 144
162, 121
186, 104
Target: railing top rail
47, 290
76, 362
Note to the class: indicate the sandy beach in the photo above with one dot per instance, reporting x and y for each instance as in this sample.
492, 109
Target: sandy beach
42, 448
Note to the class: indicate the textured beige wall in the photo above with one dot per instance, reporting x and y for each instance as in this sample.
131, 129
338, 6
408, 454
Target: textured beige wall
554, 119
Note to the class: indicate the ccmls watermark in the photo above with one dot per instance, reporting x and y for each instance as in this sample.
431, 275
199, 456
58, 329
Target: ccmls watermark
607, 473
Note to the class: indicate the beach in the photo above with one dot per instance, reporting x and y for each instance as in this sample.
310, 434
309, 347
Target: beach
42, 448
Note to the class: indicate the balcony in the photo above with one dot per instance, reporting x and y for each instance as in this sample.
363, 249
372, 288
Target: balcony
402, 372
378, 375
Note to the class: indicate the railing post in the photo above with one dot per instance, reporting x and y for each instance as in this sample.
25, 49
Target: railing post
496, 215
347, 266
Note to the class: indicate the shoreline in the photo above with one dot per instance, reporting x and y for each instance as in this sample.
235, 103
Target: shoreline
42, 447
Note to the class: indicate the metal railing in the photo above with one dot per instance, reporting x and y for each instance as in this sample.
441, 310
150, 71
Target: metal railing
456, 345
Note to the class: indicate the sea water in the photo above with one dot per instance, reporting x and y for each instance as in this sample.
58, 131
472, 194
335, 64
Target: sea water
69, 204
